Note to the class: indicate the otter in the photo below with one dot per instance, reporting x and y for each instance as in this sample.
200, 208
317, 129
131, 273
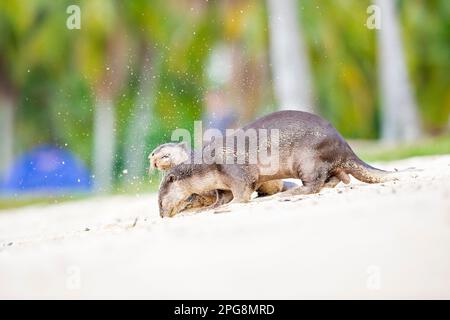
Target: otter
310, 149
168, 155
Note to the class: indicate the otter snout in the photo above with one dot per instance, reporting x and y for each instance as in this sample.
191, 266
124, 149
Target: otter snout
160, 162
165, 213
167, 207
169, 211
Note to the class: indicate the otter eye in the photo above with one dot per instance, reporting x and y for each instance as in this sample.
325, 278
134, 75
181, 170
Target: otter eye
165, 156
171, 178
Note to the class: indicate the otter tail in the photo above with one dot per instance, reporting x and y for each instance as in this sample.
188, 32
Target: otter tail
366, 173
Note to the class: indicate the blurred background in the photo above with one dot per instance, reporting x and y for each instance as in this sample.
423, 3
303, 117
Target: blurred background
82, 103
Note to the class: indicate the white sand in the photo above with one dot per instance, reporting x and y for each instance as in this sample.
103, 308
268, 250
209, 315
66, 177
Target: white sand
388, 240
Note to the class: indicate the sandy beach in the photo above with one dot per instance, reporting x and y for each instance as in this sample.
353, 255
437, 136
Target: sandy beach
389, 240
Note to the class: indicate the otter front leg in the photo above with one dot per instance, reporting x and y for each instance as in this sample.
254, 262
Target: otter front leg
201, 200
222, 197
225, 197
242, 192
241, 180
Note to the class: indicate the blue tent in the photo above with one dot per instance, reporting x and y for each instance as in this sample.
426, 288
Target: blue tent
47, 169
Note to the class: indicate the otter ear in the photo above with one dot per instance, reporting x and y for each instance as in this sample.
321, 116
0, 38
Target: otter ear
184, 145
171, 178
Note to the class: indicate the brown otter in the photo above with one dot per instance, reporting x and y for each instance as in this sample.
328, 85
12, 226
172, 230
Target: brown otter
168, 155
310, 149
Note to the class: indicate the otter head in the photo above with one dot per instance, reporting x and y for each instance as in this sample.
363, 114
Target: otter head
175, 190
168, 155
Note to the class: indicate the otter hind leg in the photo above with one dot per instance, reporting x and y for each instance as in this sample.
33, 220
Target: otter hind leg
313, 182
331, 182
334, 180
307, 188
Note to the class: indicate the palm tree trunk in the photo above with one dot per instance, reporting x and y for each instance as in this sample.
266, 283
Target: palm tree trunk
6, 133
104, 145
138, 129
400, 120
104, 118
290, 65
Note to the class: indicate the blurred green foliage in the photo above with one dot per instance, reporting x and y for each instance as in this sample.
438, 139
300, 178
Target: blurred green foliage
372, 151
